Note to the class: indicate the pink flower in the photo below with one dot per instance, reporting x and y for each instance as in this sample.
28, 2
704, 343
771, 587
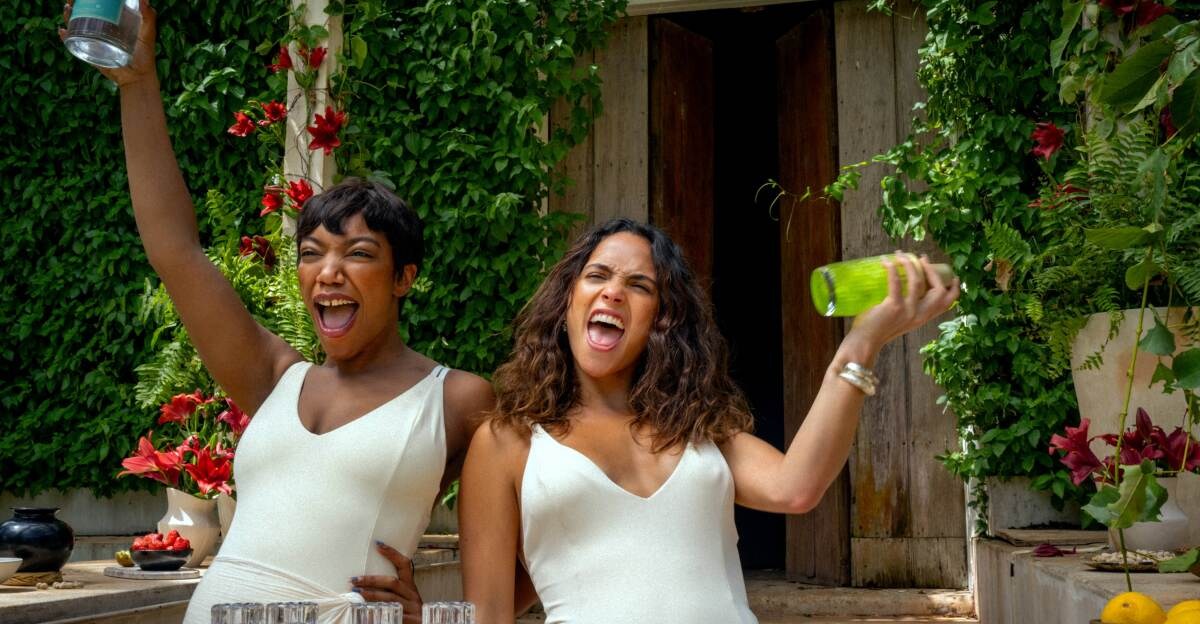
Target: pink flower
234, 417
1049, 139
315, 57
180, 408
1079, 457
243, 127
1119, 7
324, 130
257, 246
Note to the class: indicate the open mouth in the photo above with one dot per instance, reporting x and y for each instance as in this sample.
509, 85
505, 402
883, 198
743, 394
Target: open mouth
335, 315
604, 330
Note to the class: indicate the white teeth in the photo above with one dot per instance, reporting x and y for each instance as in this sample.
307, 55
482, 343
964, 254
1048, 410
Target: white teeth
335, 302
601, 317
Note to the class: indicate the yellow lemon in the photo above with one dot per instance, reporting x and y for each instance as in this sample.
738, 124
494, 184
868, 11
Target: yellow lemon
1184, 617
1132, 608
1184, 607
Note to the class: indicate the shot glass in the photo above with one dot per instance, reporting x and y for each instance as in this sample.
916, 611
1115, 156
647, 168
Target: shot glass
292, 613
378, 613
239, 613
448, 613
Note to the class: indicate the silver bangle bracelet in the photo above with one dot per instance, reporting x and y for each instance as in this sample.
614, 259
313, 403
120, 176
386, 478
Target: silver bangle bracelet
859, 377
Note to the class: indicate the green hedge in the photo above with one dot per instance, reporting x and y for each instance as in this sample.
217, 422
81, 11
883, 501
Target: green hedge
443, 104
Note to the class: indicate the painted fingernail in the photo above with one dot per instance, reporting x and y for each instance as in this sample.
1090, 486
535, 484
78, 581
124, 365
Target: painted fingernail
357, 590
354, 579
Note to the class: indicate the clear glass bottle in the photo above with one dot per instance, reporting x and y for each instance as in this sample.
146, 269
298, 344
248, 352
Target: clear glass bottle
104, 32
851, 287
447, 613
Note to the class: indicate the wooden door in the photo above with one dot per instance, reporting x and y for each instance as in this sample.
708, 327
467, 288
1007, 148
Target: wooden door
818, 543
681, 140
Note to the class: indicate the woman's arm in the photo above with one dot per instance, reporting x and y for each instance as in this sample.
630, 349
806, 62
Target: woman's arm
489, 523
794, 482
240, 354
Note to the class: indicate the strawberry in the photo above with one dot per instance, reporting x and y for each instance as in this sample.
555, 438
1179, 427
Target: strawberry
138, 544
182, 544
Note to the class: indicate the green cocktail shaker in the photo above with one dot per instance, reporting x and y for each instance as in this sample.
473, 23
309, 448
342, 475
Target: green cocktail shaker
850, 287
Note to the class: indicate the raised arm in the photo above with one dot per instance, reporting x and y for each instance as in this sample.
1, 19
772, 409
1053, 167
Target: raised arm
240, 354
794, 482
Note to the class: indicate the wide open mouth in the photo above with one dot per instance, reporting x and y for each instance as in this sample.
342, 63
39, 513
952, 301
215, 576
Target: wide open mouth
335, 315
604, 330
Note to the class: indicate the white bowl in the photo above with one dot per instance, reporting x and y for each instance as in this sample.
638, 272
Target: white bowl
8, 567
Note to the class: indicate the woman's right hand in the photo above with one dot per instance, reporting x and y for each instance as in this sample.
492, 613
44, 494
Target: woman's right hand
141, 66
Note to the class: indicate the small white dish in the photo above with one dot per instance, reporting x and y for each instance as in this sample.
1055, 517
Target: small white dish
8, 567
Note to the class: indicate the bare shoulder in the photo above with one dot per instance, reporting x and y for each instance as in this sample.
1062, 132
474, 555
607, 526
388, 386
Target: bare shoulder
468, 397
498, 439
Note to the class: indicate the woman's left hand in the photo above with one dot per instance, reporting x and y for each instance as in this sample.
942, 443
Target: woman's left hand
926, 296
401, 588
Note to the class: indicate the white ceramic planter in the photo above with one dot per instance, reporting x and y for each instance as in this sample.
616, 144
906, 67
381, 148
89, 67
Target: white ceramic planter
1169, 533
195, 519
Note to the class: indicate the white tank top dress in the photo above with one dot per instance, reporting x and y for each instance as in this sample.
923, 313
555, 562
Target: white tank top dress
598, 554
310, 507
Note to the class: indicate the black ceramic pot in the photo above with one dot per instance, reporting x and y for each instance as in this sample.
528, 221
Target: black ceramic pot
43, 542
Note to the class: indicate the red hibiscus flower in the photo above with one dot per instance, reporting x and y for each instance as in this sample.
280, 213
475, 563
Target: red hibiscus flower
1049, 139
1147, 12
274, 112
315, 57
271, 202
211, 471
257, 246
244, 125
324, 130
283, 61
181, 407
151, 463
299, 192
1079, 457
234, 417
1119, 7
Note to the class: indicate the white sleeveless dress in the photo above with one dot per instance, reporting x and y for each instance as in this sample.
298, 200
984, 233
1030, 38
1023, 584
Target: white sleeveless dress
598, 554
311, 506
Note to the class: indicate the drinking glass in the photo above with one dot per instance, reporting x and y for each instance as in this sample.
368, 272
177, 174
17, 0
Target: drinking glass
448, 613
379, 613
292, 613
239, 613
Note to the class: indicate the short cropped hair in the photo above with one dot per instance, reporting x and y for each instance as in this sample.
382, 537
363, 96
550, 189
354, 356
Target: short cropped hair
381, 209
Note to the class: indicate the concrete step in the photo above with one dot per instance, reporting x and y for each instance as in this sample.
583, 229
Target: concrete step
773, 596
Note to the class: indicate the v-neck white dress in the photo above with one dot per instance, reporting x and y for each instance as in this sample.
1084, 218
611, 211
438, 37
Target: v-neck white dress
310, 507
599, 554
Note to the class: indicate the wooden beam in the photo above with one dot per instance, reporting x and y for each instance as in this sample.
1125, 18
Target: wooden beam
299, 162
620, 134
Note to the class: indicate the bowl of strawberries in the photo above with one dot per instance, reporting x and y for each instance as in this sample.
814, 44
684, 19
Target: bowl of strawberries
155, 552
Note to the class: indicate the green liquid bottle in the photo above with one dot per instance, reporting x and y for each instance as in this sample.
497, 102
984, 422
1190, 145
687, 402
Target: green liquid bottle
851, 287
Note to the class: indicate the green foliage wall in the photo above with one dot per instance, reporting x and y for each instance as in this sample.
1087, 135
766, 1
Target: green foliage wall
73, 269
444, 100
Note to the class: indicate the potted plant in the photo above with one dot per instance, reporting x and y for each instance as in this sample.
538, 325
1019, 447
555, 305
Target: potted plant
195, 461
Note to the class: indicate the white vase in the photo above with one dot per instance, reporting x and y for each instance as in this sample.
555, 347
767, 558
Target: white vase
194, 518
1169, 533
226, 506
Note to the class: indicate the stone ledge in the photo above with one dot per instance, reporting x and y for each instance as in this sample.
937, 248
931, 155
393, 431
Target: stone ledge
1014, 587
774, 597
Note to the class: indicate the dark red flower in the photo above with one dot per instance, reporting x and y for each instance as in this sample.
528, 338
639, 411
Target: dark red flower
1148, 11
257, 246
283, 61
211, 471
1119, 7
271, 202
274, 112
1168, 124
299, 192
315, 57
1173, 448
234, 417
1049, 139
151, 463
1050, 550
1079, 457
244, 125
324, 130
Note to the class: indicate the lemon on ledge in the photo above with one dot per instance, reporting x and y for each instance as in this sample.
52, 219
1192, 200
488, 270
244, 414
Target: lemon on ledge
1186, 612
1132, 608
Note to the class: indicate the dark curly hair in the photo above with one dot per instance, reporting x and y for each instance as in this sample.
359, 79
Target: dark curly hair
681, 388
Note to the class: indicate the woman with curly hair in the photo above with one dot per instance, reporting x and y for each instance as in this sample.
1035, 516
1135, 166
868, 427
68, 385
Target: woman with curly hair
620, 444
